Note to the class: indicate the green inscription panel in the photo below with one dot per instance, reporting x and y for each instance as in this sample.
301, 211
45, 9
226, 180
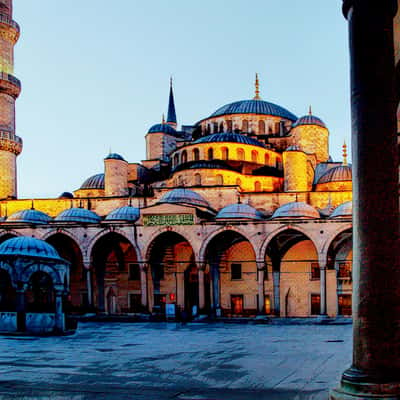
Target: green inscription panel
173, 219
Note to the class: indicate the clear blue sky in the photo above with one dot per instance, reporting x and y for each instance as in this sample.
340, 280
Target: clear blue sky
95, 74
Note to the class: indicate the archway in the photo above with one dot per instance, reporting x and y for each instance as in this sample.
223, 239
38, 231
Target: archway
7, 292
116, 275
68, 249
340, 254
40, 296
231, 261
292, 260
172, 274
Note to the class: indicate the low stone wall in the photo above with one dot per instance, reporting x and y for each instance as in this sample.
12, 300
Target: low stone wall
8, 321
40, 322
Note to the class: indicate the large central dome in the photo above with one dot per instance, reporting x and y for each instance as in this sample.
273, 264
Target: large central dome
254, 107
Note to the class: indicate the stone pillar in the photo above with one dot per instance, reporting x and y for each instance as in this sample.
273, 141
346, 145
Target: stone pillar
200, 268
216, 288
59, 320
261, 286
375, 371
322, 268
86, 265
180, 288
276, 279
143, 286
20, 308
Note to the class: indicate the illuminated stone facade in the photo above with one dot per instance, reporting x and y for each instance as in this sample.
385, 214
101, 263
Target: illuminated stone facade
234, 214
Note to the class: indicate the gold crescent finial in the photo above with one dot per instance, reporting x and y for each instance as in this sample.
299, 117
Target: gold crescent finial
344, 153
257, 91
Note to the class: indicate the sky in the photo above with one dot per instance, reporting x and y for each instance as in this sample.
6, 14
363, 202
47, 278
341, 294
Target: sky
95, 74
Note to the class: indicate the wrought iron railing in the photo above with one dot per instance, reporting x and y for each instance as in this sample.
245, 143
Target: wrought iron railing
10, 78
5, 19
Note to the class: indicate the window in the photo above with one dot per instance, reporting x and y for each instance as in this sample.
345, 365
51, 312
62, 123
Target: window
176, 160
221, 127
196, 155
254, 156
219, 180
224, 153
238, 182
266, 159
278, 163
257, 186
315, 271
134, 272
237, 303
236, 271
261, 127
240, 154
135, 302
229, 122
344, 304
210, 154
315, 304
245, 125
197, 179
344, 271
267, 304
183, 156
215, 127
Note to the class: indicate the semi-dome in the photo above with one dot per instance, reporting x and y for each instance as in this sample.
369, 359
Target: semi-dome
309, 120
78, 215
94, 182
184, 196
29, 247
126, 213
254, 106
296, 209
237, 211
115, 156
31, 216
337, 174
342, 211
229, 138
162, 128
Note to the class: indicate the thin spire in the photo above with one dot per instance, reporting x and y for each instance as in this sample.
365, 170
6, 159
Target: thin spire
171, 116
163, 119
257, 91
309, 110
344, 153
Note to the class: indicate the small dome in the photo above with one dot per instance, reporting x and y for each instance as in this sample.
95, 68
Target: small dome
126, 213
184, 196
30, 217
309, 120
344, 210
237, 211
66, 195
254, 107
229, 138
94, 182
28, 246
337, 174
162, 128
293, 147
296, 209
114, 156
78, 215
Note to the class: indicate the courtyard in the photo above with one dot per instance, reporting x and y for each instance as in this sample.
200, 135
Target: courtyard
174, 361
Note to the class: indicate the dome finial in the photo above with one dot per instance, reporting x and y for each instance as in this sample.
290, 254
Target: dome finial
309, 110
257, 91
344, 153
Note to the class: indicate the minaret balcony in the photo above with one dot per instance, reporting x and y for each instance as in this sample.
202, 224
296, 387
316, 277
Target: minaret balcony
9, 84
10, 142
9, 29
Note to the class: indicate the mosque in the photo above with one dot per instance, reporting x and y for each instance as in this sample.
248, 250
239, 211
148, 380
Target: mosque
242, 213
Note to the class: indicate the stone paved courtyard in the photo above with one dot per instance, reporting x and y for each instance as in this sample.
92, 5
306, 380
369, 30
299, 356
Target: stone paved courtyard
173, 361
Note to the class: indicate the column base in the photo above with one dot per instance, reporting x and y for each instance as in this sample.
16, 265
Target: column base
356, 385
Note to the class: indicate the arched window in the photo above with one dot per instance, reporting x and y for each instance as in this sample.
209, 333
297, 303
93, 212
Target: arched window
219, 180
245, 125
229, 127
224, 153
208, 130
240, 154
183, 157
277, 127
261, 127
266, 159
215, 127
210, 154
270, 132
254, 156
221, 127
257, 186
176, 160
238, 182
196, 155
278, 163
197, 179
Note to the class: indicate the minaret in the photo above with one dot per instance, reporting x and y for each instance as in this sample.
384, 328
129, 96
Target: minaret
171, 116
10, 88
257, 89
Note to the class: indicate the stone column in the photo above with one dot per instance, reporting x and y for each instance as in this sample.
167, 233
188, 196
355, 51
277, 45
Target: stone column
375, 371
143, 286
216, 288
322, 268
276, 279
20, 308
59, 317
86, 265
261, 286
180, 288
200, 268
